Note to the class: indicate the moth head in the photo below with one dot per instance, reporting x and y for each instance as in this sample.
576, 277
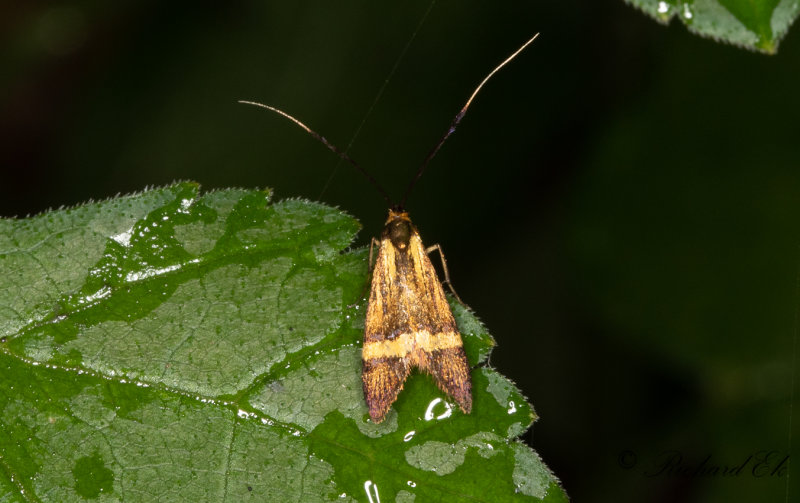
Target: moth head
398, 228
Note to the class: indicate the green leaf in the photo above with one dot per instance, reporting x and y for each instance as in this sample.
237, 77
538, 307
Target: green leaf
171, 346
753, 24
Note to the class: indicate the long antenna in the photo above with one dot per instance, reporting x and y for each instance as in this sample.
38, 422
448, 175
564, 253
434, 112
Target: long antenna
380, 93
458, 118
325, 142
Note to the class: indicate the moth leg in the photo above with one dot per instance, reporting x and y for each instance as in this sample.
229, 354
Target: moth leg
371, 246
370, 266
428, 250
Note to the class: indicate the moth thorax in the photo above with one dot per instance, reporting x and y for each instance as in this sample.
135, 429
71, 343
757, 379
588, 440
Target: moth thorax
399, 229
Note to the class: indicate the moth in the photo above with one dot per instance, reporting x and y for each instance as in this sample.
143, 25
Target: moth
408, 323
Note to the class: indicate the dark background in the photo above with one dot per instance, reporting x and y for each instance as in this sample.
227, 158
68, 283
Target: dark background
619, 206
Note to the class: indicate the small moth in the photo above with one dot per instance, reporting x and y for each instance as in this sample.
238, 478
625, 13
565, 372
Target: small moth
409, 323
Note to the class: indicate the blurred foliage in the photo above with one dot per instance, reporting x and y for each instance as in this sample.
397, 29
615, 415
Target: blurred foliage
753, 24
620, 204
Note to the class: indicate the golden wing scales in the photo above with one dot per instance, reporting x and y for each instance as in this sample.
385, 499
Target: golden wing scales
409, 324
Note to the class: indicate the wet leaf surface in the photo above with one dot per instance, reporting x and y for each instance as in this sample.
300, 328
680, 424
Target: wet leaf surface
174, 346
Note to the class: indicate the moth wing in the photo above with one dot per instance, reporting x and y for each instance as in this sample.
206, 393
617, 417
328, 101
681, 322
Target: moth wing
445, 362
383, 380
383, 376
407, 299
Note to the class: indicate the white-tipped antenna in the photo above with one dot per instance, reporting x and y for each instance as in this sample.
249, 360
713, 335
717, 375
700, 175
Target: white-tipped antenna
458, 118
325, 142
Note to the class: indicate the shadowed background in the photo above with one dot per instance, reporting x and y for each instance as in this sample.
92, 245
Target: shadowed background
619, 205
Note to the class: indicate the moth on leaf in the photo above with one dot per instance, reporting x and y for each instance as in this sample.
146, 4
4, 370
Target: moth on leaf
409, 323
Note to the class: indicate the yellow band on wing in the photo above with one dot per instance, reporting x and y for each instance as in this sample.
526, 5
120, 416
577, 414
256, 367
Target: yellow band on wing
404, 344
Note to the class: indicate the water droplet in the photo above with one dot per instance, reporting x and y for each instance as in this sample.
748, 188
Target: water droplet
430, 414
372, 492
123, 238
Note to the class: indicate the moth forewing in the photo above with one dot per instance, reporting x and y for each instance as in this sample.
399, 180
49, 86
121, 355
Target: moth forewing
409, 323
